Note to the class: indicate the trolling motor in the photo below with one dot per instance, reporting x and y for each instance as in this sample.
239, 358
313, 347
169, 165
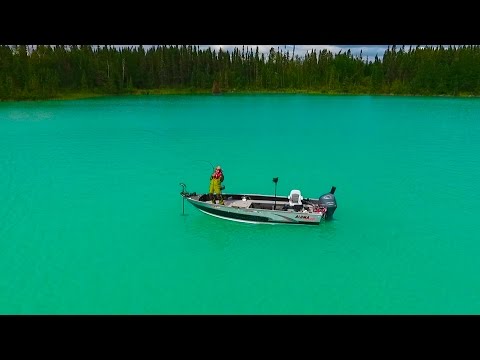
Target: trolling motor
184, 189
185, 194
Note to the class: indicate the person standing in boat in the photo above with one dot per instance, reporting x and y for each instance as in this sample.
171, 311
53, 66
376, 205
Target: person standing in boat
216, 180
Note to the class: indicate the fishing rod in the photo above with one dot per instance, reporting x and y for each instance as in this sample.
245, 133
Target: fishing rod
208, 162
213, 170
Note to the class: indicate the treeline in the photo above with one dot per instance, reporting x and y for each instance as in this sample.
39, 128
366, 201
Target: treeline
40, 72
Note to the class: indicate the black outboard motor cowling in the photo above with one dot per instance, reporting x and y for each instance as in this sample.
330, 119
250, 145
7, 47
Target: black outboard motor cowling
328, 200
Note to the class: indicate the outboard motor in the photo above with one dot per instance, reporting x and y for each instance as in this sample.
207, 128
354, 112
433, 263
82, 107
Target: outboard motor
328, 200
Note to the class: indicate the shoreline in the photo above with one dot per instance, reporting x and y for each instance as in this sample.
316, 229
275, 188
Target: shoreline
146, 92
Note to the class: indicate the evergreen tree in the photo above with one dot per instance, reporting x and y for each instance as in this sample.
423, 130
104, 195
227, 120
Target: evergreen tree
44, 71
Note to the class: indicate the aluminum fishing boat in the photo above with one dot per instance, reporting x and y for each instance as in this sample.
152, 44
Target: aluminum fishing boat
267, 209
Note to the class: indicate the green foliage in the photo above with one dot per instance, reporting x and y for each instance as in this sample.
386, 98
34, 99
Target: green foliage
43, 71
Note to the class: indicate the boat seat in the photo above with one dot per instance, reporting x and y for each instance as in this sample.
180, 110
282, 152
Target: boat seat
295, 198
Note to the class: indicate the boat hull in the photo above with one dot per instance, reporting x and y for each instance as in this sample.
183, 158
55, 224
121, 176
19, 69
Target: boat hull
256, 216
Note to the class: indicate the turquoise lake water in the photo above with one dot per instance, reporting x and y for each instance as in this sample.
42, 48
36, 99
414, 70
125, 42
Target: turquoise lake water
91, 216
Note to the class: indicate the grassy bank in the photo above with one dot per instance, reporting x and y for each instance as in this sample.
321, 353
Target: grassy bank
75, 95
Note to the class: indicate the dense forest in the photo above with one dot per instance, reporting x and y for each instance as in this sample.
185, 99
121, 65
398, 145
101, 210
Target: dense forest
41, 72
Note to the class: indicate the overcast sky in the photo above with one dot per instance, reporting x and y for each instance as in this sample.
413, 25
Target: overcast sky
367, 50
